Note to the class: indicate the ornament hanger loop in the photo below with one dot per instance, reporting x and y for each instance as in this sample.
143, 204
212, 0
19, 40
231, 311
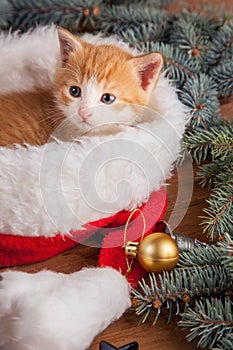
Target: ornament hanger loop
129, 264
127, 223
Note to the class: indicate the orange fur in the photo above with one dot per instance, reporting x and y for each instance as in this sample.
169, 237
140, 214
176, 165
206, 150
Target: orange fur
27, 117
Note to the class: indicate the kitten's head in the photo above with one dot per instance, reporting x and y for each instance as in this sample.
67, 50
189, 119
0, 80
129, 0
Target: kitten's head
101, 84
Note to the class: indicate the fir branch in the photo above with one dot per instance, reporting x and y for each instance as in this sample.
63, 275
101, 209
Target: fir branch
218, 142
176, 64
198, 144
226, 249
143, 33
182, 285
155, 3
72, 14
211, 320
225, 343
217, 172
200, 256
221, 46
219, 218
190, 35
206, 17
222, 145
160, 4
223, 76
117, 18
200, 95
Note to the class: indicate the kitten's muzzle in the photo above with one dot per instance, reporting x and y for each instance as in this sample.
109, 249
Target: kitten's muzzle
83, 112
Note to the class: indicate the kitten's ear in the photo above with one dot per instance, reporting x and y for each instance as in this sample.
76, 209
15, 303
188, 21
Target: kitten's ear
68, 43
148, 68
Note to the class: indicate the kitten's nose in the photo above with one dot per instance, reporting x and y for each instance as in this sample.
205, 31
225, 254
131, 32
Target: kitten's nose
83, 112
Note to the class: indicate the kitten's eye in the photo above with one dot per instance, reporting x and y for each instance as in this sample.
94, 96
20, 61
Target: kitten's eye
108, 98
75, 91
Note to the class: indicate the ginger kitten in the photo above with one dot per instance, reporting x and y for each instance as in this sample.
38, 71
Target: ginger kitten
97, 88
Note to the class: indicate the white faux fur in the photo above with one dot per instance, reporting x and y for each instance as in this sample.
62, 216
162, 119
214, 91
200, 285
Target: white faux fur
54, 311
62, 185
28, 60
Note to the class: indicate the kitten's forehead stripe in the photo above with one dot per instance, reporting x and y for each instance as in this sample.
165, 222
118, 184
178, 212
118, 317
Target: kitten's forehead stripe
102, 61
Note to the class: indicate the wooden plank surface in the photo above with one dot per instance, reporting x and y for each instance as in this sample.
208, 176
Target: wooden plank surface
161, 336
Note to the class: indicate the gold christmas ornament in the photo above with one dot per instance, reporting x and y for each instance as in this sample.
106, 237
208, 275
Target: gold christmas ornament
157, 252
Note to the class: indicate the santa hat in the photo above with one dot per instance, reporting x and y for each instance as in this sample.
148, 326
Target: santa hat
55, 195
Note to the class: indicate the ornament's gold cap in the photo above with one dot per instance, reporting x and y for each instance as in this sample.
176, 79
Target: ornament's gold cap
131, 249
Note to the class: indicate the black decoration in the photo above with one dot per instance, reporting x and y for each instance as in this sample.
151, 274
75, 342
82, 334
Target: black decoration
106, 346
